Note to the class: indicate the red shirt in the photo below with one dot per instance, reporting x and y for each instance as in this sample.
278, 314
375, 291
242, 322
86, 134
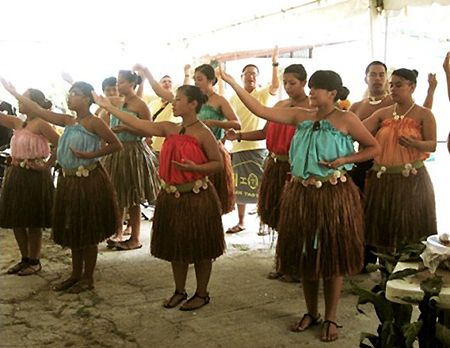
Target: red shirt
278, 138
178, 147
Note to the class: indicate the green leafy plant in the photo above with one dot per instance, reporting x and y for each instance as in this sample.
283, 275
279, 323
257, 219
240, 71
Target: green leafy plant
395, 328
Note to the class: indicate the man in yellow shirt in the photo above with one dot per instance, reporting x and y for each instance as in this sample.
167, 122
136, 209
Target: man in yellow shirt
248, 156
161, 110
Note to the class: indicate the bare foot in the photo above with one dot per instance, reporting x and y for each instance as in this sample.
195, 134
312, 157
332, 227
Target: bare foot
127, 231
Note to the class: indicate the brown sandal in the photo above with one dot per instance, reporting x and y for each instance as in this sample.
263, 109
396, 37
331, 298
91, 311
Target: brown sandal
80, 287
205, 299
274, 275
314, 321
19, 266
30, 270
68, 283
168, 302
326, 330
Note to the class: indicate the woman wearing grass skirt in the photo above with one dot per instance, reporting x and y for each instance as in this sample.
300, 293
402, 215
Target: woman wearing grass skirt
27, 191
321, 222
187, 225
400, 205
218, 115
278, 138
134, 170
85, 209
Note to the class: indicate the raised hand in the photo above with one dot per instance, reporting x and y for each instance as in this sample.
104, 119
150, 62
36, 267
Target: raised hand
101, 100
116, 101
275, 55
226, 77
187, 69
432, 82
9, 87
67, 77
446, 64
139, 68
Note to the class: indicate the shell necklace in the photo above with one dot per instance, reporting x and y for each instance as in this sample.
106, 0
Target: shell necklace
374, 101
401, 117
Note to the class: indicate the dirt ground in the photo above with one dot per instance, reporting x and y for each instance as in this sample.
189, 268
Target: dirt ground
124, 310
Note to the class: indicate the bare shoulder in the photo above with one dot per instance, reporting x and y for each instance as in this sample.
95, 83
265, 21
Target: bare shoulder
349, 116
424, 113
384, 112
139, 103
96, 122
283, 104
355, 106
204, 135
42, 124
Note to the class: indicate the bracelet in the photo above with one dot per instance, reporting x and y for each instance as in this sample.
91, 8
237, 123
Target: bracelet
239, 138
186, 76
275, 64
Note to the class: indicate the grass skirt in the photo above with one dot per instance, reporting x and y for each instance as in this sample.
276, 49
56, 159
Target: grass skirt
86, 210
188, 229
26, 198
223, 182
399, 209
134, 174
272, 186
320, 231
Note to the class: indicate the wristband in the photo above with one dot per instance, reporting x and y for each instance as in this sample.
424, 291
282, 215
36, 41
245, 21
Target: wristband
239, 138
275, 64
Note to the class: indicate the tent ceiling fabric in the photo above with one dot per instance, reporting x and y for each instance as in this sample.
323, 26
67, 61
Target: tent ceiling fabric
401, 4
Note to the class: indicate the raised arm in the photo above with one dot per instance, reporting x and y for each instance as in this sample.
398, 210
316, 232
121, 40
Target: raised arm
67, 77
288, 116
220, 88
447, 72
140, 89
144, 127
187, 76
432, 84
255, 135
161, 92
52, 117
10, 121
275, 84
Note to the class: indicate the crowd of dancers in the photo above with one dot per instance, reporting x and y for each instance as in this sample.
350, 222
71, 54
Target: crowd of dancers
170, 152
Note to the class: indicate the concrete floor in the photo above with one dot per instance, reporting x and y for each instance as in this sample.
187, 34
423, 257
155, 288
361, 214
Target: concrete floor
124, 310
